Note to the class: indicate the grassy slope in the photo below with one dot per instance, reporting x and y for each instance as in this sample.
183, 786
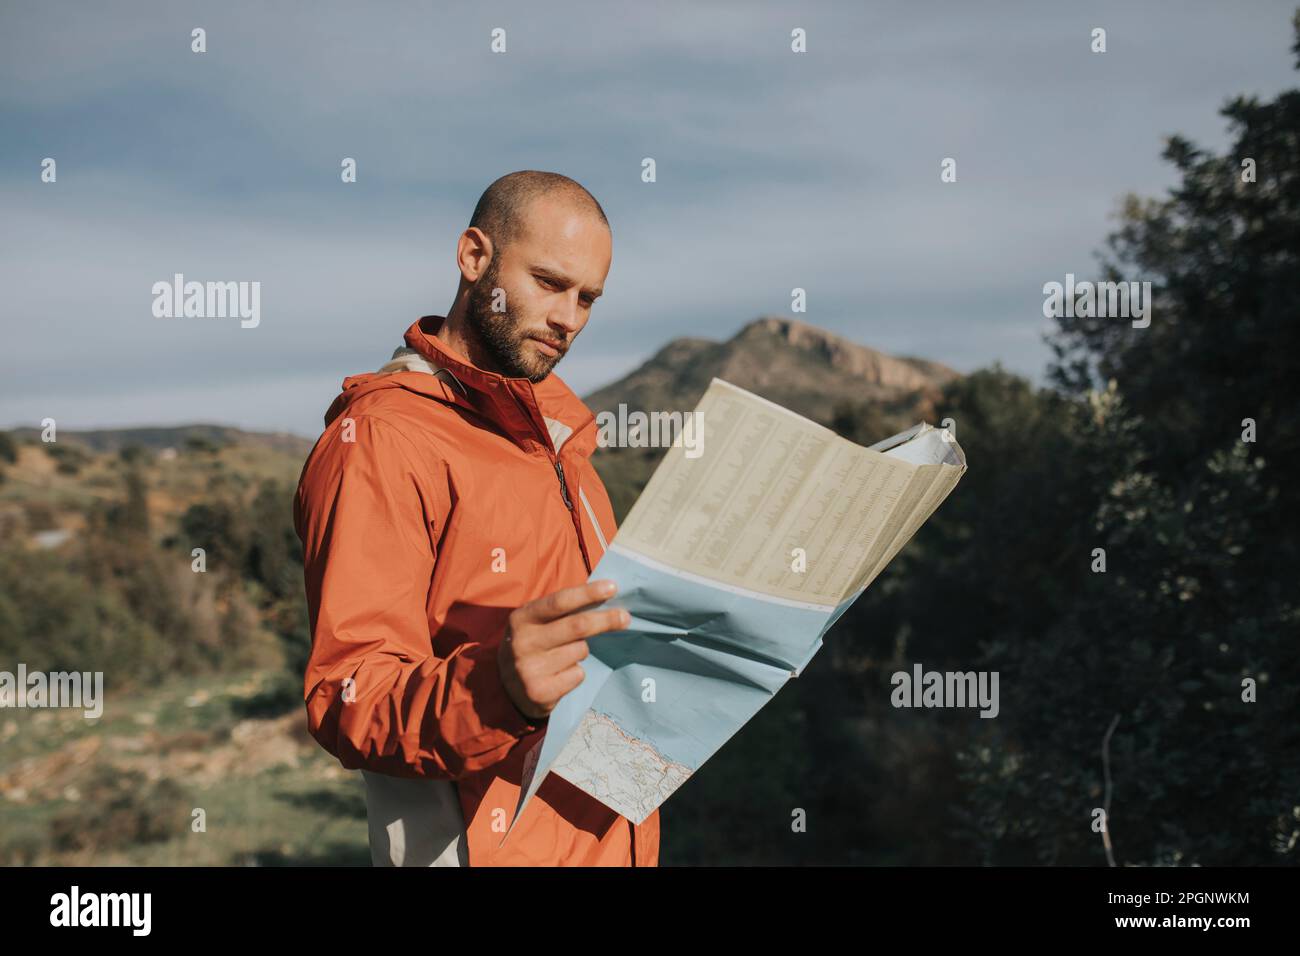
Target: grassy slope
271, 795
83, 791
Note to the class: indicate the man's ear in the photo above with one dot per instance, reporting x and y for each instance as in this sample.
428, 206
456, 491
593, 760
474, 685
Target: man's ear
474, 251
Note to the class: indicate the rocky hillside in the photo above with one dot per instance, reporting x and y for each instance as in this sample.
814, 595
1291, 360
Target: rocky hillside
176, 437
797, 365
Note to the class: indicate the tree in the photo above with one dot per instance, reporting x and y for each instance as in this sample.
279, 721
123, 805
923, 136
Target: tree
1193, 614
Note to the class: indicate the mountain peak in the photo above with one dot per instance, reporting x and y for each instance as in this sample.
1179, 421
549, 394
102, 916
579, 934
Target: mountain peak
841, 354
808, 369
783, 326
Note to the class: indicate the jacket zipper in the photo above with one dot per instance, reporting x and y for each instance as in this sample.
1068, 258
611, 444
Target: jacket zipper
564, 485
573, 512
564, 488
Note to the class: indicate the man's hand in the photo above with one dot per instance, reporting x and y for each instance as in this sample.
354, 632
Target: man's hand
545, 639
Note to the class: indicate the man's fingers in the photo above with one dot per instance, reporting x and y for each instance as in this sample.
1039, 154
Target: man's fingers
566, 655
579, 627
566, 680
551, 637
568, 600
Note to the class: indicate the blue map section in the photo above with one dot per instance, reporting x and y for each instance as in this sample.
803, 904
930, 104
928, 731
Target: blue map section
715, 657
666, 605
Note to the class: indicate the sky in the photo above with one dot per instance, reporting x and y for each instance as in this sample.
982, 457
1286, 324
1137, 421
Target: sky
774, 170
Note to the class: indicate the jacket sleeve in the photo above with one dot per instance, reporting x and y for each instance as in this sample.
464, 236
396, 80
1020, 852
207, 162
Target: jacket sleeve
377, 696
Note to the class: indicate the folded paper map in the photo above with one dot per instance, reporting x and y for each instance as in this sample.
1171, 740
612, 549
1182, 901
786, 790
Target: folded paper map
733, 565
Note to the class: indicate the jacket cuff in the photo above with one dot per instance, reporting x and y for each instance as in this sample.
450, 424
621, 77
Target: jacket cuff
495, 708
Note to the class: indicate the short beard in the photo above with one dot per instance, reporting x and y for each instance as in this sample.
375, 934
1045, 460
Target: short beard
499, 333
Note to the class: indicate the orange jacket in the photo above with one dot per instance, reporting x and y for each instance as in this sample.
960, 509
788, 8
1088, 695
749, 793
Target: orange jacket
431, 507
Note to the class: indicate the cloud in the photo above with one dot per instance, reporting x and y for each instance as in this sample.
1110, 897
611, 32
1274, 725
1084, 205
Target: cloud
774, 171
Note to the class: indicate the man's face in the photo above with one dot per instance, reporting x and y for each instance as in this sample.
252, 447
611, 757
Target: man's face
549, 276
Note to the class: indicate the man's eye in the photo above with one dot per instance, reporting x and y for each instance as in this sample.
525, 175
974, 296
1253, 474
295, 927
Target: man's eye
549, 283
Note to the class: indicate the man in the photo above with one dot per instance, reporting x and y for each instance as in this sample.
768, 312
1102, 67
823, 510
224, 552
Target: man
450, 516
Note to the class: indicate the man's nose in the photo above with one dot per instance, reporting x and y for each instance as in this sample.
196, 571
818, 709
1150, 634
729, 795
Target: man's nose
566, 318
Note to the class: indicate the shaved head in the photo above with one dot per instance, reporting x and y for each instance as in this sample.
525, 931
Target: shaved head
533, 261
502, 209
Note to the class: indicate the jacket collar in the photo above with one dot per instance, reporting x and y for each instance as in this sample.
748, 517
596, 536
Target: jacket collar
546, 415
